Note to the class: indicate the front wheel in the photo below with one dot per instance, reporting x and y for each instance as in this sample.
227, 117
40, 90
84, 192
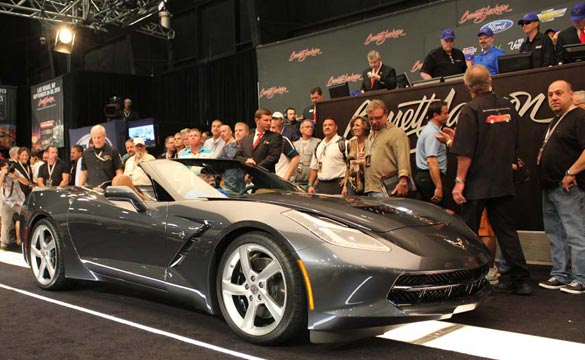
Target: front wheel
261, 291
46, 256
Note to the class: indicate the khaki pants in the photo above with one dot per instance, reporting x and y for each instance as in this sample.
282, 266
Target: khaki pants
7, 213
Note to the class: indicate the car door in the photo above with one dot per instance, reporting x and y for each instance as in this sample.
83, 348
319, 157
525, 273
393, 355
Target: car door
114, 239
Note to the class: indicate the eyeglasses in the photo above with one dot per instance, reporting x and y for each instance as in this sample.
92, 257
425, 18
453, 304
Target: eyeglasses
527, 22
377, 118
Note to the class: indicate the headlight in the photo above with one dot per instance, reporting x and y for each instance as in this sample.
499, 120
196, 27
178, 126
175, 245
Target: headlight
335, 233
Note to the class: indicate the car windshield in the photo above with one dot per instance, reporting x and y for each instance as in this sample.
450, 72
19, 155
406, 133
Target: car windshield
208, 178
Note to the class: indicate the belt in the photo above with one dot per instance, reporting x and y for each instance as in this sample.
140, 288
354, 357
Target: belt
330, 181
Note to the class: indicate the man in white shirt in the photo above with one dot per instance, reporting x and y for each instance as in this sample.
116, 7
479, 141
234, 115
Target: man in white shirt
131, 168
215, 143
328, 164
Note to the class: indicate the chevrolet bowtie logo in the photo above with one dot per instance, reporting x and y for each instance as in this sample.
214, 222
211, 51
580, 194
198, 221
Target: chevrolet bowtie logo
551, 14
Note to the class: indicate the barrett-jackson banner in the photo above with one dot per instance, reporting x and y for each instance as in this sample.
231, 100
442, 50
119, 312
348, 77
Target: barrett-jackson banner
47, 114
526, 89
287, 70
7, 117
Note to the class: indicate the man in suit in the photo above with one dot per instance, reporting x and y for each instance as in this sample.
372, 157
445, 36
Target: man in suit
262, 147
310, 111
574, 34
378, 76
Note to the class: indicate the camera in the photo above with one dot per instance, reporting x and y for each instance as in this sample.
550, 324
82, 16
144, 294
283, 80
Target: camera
11, 167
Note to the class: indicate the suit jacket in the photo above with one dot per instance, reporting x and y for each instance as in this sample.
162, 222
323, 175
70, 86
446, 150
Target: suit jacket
387, 79
266, 154
566, 37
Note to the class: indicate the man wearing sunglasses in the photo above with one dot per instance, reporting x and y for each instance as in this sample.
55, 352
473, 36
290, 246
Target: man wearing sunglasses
541, 46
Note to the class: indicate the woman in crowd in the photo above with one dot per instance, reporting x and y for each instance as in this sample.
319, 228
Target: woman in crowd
356, 157
24, 171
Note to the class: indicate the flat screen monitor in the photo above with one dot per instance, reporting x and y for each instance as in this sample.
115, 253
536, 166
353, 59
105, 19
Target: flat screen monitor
145, 128
427, 81
340, 90
451, 78
402, 81
515, 62
574, 52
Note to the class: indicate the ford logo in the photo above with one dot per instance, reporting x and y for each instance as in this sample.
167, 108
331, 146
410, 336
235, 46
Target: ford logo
499, 26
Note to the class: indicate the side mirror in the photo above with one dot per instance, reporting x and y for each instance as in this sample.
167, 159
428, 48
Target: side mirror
124, 193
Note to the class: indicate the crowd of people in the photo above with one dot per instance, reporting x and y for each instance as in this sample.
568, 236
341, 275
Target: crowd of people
546, 49
375, 161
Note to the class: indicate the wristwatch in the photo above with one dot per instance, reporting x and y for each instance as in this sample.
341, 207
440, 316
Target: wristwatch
459, 180
568, 173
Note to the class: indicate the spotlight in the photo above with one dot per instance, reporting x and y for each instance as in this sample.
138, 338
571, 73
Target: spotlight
164, 15
64, 40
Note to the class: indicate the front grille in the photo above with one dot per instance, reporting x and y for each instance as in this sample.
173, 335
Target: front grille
413, 289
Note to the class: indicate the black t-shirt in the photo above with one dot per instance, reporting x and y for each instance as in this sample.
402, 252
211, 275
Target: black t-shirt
487, 132
101, 164
55, 174
563, 148
543, 50
438, 63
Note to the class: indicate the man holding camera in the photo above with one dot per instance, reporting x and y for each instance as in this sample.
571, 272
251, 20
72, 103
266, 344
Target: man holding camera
12, 200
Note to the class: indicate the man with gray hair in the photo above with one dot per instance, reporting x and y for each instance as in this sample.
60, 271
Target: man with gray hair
486, 144
101, 162
579, 99
13, 153
378, 76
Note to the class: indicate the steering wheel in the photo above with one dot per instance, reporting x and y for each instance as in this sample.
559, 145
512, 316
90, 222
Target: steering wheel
248, 188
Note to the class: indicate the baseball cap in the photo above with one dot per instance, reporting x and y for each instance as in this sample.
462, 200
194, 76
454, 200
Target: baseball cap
448, 34
138, 141
528, 18
578, 12
277, 114
485, 31
551, 29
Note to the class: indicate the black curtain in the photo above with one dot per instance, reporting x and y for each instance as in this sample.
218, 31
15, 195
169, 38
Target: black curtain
193, 97
23, 116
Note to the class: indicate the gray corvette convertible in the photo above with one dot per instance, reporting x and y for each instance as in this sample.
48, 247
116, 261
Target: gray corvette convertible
275, 262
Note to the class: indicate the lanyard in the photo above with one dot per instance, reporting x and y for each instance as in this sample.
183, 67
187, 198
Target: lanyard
26, 170
550, 131
50, 169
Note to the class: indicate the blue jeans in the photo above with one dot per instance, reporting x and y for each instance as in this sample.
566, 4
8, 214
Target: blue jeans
564, 225
376, 194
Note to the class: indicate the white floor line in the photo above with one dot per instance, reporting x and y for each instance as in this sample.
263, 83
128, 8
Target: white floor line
477, 341
135, 325
12, 258
488, 343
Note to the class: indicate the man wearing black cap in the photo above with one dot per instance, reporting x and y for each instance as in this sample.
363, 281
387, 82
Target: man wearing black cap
541, 46
488, 55
444, 61
574, 34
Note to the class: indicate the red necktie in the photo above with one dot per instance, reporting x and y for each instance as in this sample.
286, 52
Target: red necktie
372, 80
314, 114
582, 36
258, 138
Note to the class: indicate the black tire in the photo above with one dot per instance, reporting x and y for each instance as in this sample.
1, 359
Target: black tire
46, 256
276, 304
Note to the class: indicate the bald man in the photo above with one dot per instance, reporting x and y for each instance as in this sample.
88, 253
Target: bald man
486, 145
561, 162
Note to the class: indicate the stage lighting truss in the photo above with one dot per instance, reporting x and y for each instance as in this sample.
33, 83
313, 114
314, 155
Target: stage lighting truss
101, 15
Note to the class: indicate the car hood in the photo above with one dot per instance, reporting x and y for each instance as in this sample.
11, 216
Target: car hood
378, 215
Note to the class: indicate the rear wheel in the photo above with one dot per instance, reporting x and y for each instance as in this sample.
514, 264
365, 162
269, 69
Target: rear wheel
261, 291
46, 256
